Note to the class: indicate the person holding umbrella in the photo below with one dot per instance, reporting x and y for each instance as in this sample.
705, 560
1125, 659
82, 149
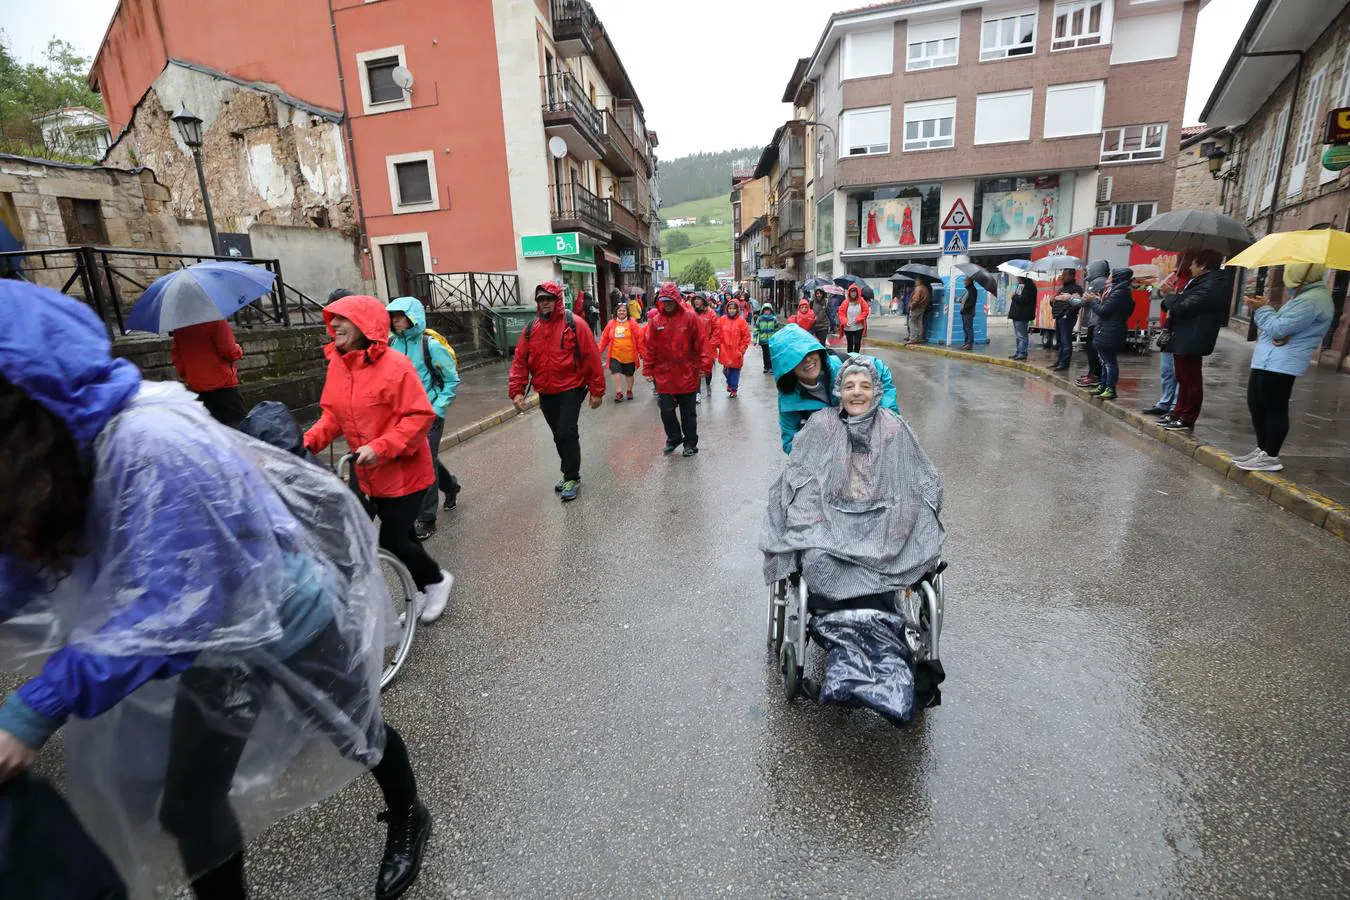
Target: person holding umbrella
919, 301
1195, 314
1022, 310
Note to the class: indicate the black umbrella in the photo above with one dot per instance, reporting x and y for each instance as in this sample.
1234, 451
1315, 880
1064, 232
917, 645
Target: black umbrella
845, 280
982, 278
1192, 229
903, 278
814, 283
919, 271
868, 294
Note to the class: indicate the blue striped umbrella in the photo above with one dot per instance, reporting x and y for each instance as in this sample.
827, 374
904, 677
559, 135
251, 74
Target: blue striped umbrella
206, 292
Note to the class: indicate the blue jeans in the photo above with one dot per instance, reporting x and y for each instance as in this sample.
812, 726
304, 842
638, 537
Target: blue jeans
1168, 370
1110, 366
1064, 330
733, 377
1020, 330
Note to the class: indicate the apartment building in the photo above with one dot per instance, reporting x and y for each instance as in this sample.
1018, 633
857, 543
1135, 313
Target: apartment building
465, 128
1045, 117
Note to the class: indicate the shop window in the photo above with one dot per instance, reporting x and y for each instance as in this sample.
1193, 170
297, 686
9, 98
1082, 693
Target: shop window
1134, 143
83, 221
894, 217
1008, 35
1021, 208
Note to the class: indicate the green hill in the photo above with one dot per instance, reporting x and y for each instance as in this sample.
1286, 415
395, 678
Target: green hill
712, 241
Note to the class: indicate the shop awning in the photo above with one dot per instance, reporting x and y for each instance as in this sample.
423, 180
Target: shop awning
611, 257
576, 265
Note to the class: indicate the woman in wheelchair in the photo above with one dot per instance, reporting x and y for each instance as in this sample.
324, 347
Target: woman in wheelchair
855, 516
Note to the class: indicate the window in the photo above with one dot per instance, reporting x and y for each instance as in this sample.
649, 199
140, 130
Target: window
1154, 36
1122, 215
1078, 24
1002, 117
412, 182
929, 125
868, 53
900, 216
1310, 122
379, 93
1022, 208
1007, 36
865, 131
83, 221
1074, 109
1253, 171
1342, 98
1273, 158
825, 227
932, 44
1133, 143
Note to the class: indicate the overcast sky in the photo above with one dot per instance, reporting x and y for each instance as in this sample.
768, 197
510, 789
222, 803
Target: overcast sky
710, 74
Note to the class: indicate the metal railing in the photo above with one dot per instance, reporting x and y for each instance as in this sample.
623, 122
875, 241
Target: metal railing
112, 279
572, 17
465, 291
619, 141
563, 94
572, 202
623, 218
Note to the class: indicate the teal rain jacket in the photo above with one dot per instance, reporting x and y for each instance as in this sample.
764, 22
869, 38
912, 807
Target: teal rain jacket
789, 347
409, 343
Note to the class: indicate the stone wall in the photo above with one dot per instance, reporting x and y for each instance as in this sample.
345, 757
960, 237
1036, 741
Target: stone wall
1195, 187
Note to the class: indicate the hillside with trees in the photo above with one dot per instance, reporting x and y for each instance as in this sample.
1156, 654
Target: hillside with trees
701, 175
28, 90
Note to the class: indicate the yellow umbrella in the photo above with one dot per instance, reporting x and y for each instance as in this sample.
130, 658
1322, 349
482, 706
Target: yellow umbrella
1324, 247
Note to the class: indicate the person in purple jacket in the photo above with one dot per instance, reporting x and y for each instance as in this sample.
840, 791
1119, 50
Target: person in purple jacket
159, 571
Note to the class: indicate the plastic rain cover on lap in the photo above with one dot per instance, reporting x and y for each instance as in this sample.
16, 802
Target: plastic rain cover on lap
866, 662
857, 504
252, 573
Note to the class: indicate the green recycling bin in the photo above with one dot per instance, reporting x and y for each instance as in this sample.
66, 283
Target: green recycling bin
507, 324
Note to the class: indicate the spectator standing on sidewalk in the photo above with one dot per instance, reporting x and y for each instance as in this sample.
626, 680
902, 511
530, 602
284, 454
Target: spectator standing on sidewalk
374, 399
1022, 310
919, 301
766, 326
206, 358
733, 337
436, 368
1066, 314
1287, 339
1112, 310
558, 357
1195, 314
968, 312
1167, 371
853, 315
1098, 281
674, 347
621, 348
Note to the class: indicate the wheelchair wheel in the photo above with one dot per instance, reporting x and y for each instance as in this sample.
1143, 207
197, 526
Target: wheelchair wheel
403, 595
792, 671
777, 614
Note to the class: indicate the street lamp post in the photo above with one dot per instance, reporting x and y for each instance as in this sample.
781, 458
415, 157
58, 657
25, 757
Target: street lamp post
190, 127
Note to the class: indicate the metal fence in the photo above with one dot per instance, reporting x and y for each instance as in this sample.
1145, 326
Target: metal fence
112, 279
465, 291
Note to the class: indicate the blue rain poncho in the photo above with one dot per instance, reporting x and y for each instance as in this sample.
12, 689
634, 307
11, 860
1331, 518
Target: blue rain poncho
205, 550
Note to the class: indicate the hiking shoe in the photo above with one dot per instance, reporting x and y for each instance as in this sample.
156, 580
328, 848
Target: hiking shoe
670, 448
1246, 457
562, 485
1261, 462
690, 451
424, 530
1107, 393
569, 491
437, 596
404, 846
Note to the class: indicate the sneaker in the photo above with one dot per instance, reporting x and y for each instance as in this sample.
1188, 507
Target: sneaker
1261, 462
630, 395
404, 846
1157, 411
1107, 394
424, 530
690, 451
618, 398
733, 395
698, 398
452, 498
1176, 425
437, 594
670, 448
1087, 381
1246, 457
561, 486
569, 491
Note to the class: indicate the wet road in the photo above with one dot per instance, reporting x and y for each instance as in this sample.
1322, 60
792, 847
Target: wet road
1148, 677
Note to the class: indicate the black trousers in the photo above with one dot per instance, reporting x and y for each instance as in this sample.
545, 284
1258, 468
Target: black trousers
561, 412
1094, 359
854, 341
445, 482
213, 715
681, 429
968, 329
225, 405
398, 515
1268, 402
768, 361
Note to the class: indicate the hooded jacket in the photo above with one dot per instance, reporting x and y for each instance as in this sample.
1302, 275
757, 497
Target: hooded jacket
788, 348
673, 347
865, 311
710, 334
733, 337
1113, 311
205, 356
374, 398
805, 318
766, 324
1299, 326
548, 351
1196, 314
1023, 305
409, 343
608, 346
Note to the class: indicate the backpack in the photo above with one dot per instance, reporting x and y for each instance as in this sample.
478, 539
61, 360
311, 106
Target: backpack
571, 325
428, 335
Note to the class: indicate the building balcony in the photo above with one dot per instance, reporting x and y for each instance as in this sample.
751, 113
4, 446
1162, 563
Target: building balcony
573, 208
624, 224
618, 146
791, 179
568, 114
573, 22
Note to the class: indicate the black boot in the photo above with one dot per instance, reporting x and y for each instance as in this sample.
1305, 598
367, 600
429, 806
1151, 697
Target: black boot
403, 850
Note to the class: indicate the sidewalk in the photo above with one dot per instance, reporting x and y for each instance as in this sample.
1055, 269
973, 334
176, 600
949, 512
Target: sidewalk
1317, 454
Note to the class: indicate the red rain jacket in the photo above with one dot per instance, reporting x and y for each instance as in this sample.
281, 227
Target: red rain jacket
709, 320
864, 312
548, 360
673, 348
205, 356
733, 336
804, 319
374, 397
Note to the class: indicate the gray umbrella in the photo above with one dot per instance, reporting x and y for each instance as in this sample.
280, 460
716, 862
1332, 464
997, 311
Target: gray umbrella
982, 278
1056, 263
919, 271
1192, 229
903, 278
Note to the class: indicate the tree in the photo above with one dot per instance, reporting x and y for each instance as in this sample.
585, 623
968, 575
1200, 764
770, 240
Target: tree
713, 283
28, 90
676, 241
697, 272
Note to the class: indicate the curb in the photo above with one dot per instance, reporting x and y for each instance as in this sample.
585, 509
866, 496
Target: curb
463, 434
1308, 505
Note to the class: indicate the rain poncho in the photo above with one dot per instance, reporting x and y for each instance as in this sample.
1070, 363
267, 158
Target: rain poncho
210, 555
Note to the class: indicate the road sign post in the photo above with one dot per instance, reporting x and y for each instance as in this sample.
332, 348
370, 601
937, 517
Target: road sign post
955, 242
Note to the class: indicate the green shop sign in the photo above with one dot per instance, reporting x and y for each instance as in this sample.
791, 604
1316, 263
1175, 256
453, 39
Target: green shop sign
1336, 157
568, 243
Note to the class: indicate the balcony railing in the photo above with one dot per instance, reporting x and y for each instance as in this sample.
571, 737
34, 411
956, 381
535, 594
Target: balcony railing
573, 203
624, 221
573, 20
618, 145
791, 178
562, 94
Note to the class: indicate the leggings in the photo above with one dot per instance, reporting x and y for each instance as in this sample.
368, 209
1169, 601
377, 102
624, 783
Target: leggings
854, 339
213, 715
397, 517
1268, 401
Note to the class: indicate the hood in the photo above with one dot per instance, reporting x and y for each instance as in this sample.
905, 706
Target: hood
853, 292
1098, 268
768, 307
856, 364
554, 289
803, 306
1122, 276
416, 313
58, 352
787, 348
367, 313
732, 308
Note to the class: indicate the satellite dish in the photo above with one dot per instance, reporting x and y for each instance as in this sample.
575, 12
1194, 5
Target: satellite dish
557, 146
402, 77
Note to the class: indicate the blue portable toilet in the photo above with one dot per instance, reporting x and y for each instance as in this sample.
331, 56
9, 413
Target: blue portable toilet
937, 323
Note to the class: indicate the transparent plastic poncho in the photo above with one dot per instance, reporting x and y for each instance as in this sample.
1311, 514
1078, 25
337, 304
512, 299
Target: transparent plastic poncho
253, 572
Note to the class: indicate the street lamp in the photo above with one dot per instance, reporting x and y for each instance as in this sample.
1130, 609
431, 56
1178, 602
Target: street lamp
190, 127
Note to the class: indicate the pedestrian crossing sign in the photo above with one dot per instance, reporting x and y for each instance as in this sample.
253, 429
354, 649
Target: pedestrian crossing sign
956, 241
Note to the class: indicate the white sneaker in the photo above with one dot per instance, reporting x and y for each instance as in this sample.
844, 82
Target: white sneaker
1261, 463
1247, 457
438, 594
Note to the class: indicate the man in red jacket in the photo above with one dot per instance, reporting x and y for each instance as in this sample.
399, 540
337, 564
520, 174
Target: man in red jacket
205, 356
557, 354
673, 346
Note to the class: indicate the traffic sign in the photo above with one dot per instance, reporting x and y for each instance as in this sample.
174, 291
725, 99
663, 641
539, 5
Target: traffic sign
567, 243
956, 241
957, 217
